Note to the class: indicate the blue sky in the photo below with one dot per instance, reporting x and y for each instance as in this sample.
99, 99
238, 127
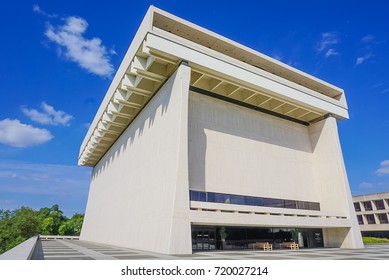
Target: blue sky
57, 59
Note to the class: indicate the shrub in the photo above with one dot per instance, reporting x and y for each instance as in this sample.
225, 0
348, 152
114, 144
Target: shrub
372, 240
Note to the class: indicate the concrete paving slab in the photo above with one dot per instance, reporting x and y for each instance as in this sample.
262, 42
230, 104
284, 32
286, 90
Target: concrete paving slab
76, 250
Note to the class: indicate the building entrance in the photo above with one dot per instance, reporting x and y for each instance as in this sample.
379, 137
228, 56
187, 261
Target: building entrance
203, 238
240, 238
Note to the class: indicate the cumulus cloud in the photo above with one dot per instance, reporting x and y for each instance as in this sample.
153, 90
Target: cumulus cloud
16, 134
89, 54
48, 115
362, 59
384, 168
327, 42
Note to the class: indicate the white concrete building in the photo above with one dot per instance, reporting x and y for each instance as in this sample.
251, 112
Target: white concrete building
202, 143
372, 214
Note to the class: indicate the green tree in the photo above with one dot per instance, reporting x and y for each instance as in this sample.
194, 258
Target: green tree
52, 218
72, 226
25, 222
44, 212
47, 226
5, 230
18, 225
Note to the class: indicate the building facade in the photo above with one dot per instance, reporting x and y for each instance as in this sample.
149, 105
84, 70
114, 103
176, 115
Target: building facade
372, 214
202, 143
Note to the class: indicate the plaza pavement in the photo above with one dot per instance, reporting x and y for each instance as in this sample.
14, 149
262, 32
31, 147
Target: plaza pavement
81, 250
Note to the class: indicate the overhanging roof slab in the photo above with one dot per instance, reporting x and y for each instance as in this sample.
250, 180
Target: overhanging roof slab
239, 75
219, 65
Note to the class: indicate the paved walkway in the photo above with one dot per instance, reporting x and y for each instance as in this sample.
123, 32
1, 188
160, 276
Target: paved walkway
81, 250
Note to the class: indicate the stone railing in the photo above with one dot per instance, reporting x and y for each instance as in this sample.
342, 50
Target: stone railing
31, 249
58, 237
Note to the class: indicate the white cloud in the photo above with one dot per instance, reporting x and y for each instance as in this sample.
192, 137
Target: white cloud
371, 187
7, 204
44, 179
277, 57
331, 52
384, 168
362, 59
39, 185
328, 40
367, 39
292, 63
16, 134
365, 185
89, 54
48, 115
38, 10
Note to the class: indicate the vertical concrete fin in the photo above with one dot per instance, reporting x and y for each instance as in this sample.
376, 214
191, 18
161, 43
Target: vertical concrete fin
180, 235
332, 182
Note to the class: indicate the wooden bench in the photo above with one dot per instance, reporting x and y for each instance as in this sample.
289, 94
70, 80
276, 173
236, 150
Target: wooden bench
266, 246
290, 245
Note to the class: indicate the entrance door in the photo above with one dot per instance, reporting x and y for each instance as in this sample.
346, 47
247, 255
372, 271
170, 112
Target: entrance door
313, 238
203, 239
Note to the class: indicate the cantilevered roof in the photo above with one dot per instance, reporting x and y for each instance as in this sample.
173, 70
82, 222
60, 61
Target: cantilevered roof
232, 49
218, 65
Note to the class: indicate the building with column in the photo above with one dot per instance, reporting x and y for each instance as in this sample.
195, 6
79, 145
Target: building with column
202, 143
372, 214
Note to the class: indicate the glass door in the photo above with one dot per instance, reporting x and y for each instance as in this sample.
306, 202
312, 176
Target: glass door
203, 238
313, 238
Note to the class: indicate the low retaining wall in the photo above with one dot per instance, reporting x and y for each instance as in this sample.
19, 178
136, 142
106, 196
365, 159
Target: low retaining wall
31, 249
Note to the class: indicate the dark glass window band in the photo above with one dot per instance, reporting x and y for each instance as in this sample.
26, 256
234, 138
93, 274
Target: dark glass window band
252, 201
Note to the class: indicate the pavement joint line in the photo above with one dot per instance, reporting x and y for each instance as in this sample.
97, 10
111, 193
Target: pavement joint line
87, 252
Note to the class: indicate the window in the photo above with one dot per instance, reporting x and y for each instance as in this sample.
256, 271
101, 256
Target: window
370, 219
313, 206
379, 204
357, 206
218, 197
250, 200
360, 219
254, 201
197, 196
237, 199
367, 205
273, 202
383, 218
292, 204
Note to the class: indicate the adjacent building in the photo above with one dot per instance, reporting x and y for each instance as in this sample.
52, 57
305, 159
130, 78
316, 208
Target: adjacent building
372, 214
202, 143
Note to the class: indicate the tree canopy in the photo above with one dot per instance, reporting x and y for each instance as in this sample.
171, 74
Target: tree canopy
18, 225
